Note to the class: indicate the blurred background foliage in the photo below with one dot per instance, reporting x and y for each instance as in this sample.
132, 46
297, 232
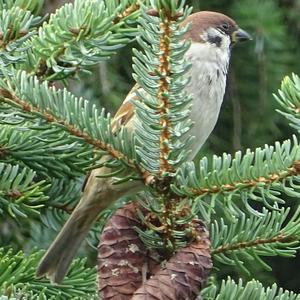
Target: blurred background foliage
248, 117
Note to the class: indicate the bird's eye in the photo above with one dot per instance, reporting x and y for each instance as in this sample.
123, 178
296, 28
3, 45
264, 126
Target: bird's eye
225, 27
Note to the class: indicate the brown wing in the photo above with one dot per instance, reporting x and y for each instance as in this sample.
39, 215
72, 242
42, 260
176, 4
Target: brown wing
125, 112
121, 118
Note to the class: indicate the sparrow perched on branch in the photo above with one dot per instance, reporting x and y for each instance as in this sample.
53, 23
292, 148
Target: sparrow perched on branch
212, 36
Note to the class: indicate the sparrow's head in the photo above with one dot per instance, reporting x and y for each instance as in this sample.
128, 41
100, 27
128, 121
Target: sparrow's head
215, 29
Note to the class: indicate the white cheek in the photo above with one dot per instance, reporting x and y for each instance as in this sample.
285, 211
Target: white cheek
225, 39
225, 45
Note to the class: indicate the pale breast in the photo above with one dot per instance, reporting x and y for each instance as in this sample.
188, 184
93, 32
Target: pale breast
207, 86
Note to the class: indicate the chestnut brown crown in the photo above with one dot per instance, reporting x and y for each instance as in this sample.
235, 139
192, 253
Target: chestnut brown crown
203, 20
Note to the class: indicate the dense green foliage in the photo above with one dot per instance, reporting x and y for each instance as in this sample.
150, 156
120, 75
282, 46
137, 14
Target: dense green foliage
50, 137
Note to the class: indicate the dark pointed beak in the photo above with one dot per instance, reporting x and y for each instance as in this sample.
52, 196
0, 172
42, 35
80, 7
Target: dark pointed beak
240, 35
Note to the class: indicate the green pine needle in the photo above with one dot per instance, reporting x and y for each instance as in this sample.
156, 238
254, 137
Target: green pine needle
19, 194
252, 290
18, 280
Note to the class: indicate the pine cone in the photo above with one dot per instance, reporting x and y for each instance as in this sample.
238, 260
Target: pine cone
184, 274
124, 263
123, 260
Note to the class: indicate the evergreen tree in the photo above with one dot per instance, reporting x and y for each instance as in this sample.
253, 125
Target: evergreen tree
49, 140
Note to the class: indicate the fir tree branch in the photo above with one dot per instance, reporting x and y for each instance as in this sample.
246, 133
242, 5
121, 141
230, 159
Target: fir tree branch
288, 98
81, 34
246, 239
163, 105
19, 194
17, 26
21, 91
267, 180
168, 222
164, 69
39, 150
280, 238
260, 176
30, 5
127, 12
249, 291
12, 31
19, 280
162, 108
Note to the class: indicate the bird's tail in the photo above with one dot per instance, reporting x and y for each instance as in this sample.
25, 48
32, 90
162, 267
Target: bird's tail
60, 254
98, 194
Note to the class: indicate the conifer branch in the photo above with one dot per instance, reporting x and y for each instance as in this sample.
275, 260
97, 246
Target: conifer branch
81, 34
261, 175
19, 194
288, 97
73, 118
12, 32
17, 26
168, 222
164, 90
27, 5
280, 238
18, 279
163, 106
268, 180
39, 150
249, 291
13, 99
127, 12
238, 241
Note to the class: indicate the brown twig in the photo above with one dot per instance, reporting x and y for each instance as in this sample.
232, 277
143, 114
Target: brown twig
281, 238
267, 180
14, 194
127, 12
164, 71
63, 207
164, 87
11, 36
3, 152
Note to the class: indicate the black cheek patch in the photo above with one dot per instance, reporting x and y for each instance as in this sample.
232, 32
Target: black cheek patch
213, 39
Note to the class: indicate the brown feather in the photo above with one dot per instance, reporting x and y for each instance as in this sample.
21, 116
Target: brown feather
202, 20
125, 112
121, 118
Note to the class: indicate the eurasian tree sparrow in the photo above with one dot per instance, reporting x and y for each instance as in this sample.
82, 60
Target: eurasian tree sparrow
212, 35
